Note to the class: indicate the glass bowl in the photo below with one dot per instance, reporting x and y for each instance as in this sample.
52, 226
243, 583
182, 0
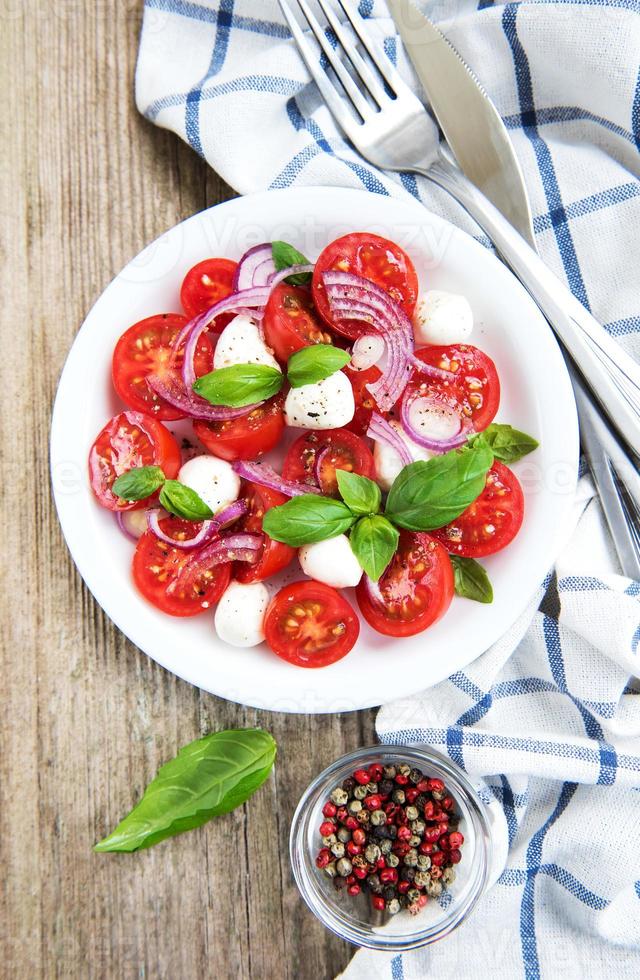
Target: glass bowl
352, 917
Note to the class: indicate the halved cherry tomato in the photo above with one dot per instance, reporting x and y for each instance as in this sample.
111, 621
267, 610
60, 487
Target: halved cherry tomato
290, 322
144, 349
156, 566
365, 402
491, 522
274, 555
474, 384
415, 590
316, 455
127, 440
247, 437
310, 624
206, 284
375, 258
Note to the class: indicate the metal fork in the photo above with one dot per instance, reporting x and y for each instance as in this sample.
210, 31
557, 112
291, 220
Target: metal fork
390, 127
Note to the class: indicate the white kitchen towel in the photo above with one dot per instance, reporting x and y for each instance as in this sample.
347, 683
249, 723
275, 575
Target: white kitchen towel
551, 713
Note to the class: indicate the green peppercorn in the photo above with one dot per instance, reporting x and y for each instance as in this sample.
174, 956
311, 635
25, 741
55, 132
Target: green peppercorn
385, 846
422, 879
354, 806
392, 860
371, 788
337, 849
344, 835
424, 862
415, 776
372, 852
415, 840
330, 869
404, 769
378, 818
339, 796
393, 906
411, 858
344, 867
413, 895
398, 796
363, 817
448, 875
359, 792
438, 794
412, 813
434, 889
418, 826
390, 772
329, 840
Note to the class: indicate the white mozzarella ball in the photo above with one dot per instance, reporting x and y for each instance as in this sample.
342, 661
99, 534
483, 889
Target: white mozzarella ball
213, 479
387, 460
239, 618
241, 343
329, 404
442, 318
331, 561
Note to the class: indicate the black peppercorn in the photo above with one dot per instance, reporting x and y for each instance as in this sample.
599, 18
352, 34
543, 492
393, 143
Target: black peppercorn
421, 801
393, 831
389, 892
349, 784
407, 874
415, 776
398, 796
385, 787
374, 883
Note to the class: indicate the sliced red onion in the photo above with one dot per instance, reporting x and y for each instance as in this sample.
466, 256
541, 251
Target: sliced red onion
265, 476
171, 388
233, 547
206, 532
432, 372
355, 298
255, 267
367, 351
414, 403
382, 431
294, 270
132, 523
231, 513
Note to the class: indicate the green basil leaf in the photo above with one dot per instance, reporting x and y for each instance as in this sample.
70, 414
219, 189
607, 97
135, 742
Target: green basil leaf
285, 255
315, 363
308, 518
207, 778
471, 580
429, 494
374, 541
239, 385
507, 444
360, 494
138, 483
184, 502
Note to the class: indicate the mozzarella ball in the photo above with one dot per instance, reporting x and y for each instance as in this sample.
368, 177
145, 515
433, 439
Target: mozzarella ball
329, 404
241, 343
387, 460
213, 479
442, 318
239, 617
331, 561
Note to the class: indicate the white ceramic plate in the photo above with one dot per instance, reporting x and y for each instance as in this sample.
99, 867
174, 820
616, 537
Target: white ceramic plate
536, 397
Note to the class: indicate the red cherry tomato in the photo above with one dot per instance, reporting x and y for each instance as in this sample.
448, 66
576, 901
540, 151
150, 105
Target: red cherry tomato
156, 566
365, 402
247, 437
310, 624
474, 384
315, 457
290, 322
274, 555
127, 440
491, 522
206, 284
144, 349
374, 258
415, 590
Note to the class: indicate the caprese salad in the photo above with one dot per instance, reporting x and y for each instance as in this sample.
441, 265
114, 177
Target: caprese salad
395, 481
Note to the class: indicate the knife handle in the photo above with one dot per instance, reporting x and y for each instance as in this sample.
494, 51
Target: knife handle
612, 375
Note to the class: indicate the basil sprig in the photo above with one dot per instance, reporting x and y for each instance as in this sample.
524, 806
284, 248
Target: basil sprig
207, 778
507, 444
315, 363
184, 502
374, 541
285, 255
239, 385
307, 518
471, 580
428, 494
360, 494
138, 483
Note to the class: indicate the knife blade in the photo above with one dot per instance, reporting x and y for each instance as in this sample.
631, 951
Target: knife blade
466, 115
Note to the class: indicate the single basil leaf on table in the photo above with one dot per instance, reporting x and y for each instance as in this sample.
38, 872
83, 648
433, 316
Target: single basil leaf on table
285, 255
374, 541
507, 444
239, 385
471, 580
428, 494
315, 363
184, 502
307, 518
138, 483
360, 494
207, 778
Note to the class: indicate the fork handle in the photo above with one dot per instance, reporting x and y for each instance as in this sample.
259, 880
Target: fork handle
611, 374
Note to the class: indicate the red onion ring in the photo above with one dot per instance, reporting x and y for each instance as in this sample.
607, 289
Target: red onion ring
121, 516
255, 267
208, 529
233, 547
171, 388
294, 270
411, 397
432, 372
382, 431
265, 476
366, 351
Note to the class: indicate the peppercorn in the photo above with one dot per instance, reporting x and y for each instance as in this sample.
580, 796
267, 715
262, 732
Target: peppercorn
352, 849
372, 853
348, 784
358, 860
438, 794
411, 859
392, 830
413, 895
389, 891
456, 840
415, 776
411, 794
360, 873
354, 889
404, 769
415, 840
374, 884
359, 792
411, 813
339, 883
338, 849
329, 809
418, 827
398, 796
344, 867
339, 796
434, 889
455, 856
392, 860
329, 840
422, 879
361, 776
435, 873
323, 858
424, 862
351, 823
448, 875
385, 787
378, 818
354, 806
385, 846
389, 772
408, 874
344, 835
393, 906
378, 903
330, 869
421, 801
363, 818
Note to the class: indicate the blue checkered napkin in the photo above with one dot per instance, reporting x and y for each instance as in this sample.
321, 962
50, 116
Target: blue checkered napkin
550, 713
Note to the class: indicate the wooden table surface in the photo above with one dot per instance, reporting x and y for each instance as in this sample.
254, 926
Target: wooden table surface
87, 719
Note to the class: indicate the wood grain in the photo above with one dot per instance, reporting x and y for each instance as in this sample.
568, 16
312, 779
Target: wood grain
87, 718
